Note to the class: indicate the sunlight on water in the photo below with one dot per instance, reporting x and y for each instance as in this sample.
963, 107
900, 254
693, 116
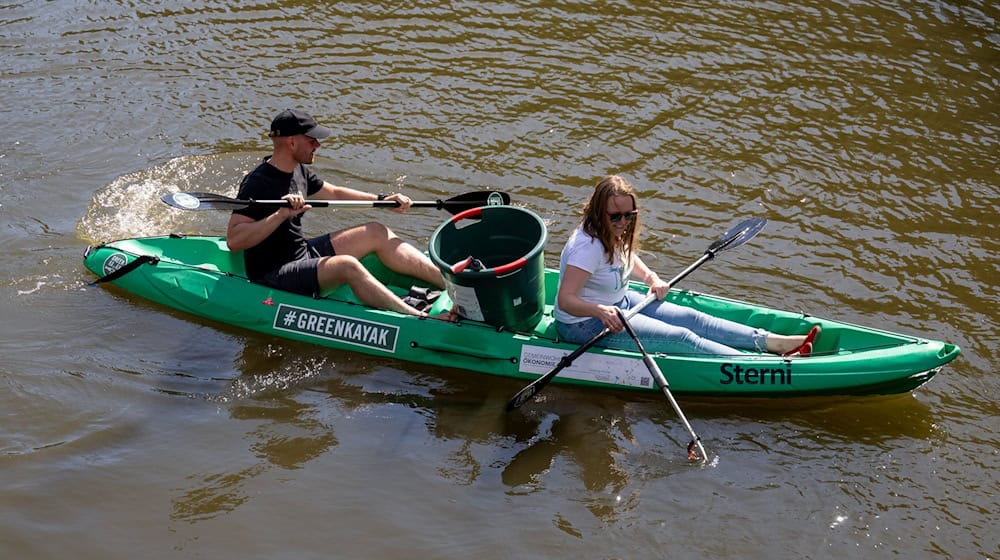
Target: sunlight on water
279, 380
38, 285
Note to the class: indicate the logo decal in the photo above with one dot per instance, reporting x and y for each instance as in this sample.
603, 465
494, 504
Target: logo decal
113, 263
494, 199
735, 373
338, 328
184, 200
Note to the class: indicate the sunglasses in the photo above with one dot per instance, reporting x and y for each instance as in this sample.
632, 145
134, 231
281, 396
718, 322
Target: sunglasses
617, 216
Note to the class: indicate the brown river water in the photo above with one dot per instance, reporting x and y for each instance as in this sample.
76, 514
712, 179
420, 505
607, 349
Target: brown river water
865, 132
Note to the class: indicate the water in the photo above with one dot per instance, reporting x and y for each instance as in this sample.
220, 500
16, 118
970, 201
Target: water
865, 132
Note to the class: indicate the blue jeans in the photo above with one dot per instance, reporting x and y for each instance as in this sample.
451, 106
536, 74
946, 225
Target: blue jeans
671, 329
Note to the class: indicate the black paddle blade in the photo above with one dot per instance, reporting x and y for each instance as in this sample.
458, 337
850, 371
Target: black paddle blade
475, 199
737, 235
203, 201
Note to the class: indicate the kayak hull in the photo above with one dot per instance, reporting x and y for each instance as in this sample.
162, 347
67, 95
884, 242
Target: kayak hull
200, 276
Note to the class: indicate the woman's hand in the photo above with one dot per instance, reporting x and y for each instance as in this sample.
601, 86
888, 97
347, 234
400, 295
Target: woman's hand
659, 287
608, 314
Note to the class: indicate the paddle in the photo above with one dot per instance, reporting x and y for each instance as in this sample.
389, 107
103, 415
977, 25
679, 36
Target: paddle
736, 236
211, 201
661, 380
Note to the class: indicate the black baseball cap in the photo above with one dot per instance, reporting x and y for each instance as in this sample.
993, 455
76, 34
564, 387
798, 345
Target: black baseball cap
292, 122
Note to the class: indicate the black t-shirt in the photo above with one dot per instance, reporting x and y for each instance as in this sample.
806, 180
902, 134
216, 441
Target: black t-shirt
286, 243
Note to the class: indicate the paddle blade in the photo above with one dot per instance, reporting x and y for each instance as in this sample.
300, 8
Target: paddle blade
524, 395
737, 235
203, 201
463, 202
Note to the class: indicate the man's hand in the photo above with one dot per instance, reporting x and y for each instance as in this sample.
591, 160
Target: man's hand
403, 200
298, 205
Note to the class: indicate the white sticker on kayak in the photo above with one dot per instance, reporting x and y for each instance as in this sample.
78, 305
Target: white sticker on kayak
465, 298
598, 368
113, 263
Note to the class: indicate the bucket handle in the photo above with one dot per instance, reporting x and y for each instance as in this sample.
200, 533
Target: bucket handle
497, 271
470, 213
501, 270
509, 267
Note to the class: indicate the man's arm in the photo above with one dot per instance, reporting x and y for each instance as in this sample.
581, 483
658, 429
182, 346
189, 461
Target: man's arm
329, 191
244, 232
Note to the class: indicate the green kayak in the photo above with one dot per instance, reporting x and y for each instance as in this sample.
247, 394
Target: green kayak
199, 275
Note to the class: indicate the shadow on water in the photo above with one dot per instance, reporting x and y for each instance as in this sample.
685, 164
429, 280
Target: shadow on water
866, 419
297, 395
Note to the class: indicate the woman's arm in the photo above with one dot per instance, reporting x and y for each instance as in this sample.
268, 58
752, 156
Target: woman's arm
644, 274
570, 283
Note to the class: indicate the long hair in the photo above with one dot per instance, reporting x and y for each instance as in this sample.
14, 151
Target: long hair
595, 221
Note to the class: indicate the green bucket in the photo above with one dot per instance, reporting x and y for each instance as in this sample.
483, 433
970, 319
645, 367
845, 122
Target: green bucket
508, 290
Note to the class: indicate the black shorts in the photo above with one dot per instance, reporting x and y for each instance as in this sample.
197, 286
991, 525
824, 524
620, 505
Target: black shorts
302, 276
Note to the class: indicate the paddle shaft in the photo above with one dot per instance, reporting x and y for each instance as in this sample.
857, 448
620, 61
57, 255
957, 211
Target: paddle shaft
212, 201
661, 381
346, 203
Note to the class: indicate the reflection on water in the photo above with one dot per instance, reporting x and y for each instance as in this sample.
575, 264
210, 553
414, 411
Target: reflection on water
293, 437
615, 447
288, 428
213, 494
871, 420
285, 437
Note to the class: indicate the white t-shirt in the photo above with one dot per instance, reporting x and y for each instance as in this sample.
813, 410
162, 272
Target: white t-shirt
607, 282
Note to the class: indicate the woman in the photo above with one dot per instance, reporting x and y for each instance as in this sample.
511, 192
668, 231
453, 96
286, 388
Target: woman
595, 265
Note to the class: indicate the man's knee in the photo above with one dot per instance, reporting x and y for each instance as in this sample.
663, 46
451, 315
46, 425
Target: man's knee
376, 229
341, 268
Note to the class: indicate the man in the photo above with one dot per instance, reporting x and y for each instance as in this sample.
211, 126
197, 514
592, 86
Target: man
277, 254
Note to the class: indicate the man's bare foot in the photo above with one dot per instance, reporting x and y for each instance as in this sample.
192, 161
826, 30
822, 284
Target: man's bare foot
450, 316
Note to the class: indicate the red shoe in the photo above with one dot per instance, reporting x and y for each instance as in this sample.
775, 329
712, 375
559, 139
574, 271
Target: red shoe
803, 351
811, 336
800, 350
